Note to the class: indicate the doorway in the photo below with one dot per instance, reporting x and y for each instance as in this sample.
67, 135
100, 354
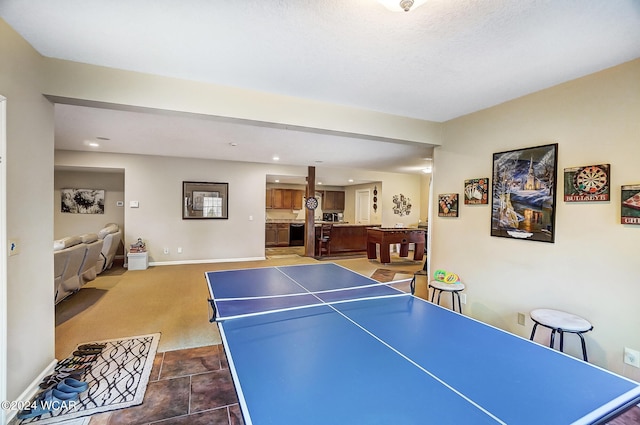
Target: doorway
363, 206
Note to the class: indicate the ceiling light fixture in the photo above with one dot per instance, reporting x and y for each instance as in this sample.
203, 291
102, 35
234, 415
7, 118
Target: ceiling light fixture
276, 158
401, 5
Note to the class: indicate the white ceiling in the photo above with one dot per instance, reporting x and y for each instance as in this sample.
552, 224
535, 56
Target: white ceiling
442, 60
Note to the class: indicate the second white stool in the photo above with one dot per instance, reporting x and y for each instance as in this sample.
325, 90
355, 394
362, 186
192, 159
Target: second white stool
561, 322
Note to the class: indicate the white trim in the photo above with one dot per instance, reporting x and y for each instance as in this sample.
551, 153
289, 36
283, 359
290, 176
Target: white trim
3, 255
33, 388
217, 260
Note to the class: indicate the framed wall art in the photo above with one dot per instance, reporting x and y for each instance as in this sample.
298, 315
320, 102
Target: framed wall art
523, 202
587, 184
476, 191
202, 200
448, 205
630, 211
401, 205
82, 201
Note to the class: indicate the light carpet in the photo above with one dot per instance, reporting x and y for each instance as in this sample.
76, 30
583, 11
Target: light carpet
117, 379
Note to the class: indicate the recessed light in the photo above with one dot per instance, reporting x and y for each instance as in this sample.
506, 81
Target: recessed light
318, 162
94, 144
276, 158
277, 181
350, 180
102, 138
319, 182
234, 144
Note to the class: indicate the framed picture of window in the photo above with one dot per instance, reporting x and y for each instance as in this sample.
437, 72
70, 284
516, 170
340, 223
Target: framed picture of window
205, 200
523, 202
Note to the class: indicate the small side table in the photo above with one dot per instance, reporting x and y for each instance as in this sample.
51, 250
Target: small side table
138, 260
454, 288
561, 322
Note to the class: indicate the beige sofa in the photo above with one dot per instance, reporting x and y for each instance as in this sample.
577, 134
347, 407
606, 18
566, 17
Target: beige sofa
79, 259
111, 235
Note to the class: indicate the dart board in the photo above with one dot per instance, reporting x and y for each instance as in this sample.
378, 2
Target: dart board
591, 180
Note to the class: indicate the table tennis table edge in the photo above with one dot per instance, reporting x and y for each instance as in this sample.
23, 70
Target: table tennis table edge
244, 409
596, 417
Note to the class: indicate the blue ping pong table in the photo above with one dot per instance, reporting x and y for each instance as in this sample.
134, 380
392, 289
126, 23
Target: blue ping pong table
320, 344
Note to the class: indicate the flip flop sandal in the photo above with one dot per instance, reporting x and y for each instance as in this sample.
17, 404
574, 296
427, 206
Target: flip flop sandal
56, 378
55, 399
78, 361
46, 402
94, 346
88, 352
35, 410
73, 370
70, 386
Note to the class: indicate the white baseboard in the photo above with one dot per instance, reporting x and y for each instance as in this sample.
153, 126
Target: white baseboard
218, 260
32, 389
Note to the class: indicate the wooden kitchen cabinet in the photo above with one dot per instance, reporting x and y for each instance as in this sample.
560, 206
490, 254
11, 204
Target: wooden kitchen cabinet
284, 199
333, 200
269, 199
276, 234
296, 202
271, 235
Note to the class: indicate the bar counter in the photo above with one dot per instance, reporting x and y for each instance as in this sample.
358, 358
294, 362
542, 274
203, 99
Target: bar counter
345, 237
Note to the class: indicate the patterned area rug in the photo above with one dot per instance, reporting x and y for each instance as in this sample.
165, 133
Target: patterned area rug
117, 379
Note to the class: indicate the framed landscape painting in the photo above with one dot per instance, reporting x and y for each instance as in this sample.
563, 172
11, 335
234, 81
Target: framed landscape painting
523, 202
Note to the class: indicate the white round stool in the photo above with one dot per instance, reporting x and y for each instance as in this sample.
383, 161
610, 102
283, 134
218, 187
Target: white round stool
454, 288
561, 322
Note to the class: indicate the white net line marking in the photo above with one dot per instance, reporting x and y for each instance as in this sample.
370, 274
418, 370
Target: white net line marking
307, 292
318, 304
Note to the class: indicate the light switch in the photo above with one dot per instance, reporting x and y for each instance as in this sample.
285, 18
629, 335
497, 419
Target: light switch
134, 204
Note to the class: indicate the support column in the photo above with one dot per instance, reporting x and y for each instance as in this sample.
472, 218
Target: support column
309, 217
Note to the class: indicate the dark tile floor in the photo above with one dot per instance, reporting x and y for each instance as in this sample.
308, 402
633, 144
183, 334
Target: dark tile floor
192, 386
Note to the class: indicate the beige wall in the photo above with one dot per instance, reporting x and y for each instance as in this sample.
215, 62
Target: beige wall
591, 269
67, 224
30, 312
156, 183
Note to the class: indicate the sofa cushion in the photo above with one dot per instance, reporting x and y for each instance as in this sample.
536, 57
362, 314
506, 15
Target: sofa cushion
107, 229
66, 242
89, 237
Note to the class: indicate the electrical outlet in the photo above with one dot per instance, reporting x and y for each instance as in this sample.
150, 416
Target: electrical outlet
632, 357
179, 250
521, 319
166, 250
